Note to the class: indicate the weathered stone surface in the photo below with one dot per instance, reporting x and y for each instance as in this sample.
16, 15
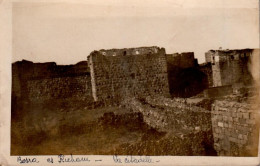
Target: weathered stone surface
170, 115
229, 66
117, 73
232, 126
39, 82
220, 124
143, 73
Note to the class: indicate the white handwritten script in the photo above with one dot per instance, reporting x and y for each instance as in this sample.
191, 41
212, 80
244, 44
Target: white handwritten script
86, 159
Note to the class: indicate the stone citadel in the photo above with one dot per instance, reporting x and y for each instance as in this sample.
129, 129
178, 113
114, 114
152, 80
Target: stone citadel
171, 91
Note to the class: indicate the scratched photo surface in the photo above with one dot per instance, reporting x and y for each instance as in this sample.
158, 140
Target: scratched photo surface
174, 78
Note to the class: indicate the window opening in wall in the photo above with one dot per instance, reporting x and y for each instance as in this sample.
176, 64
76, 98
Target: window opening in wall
213, 60
124, 53
232, 57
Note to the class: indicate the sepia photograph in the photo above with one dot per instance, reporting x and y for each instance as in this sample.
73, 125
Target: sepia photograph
125, 77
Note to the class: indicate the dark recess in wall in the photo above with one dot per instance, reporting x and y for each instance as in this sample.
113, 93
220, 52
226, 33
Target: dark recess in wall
186, 82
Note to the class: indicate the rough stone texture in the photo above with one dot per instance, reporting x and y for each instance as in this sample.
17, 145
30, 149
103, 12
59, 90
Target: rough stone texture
135, 72
235, 128
130, 51
185, 77
171, 115
182, 60
230, 66
78, 87
188, 127
206, 68
47, 81
194, 144
148, 74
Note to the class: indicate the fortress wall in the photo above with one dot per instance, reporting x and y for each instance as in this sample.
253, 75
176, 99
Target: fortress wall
230, 66
130, 51
47, 81
139, 75
186, 79
232, 125
172, 115
78, 87
181, 121
182, 60
206, 68
181, 114
235, 128
216, 74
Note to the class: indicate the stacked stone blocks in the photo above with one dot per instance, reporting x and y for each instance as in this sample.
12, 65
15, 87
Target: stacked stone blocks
234, 128
118, 75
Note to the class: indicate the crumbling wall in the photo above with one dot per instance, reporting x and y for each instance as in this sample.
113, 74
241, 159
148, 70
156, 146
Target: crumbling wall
206, 68
235, 128
185, 78
48, 81
182, 120
130, 51
117, 73
182, 60
172, 115
60, 87
230, 66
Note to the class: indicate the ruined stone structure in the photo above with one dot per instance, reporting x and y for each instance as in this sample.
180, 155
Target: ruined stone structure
186, 77
229, 66
181, 60
179, 118
39, 82
172, 115
136, 72
142, 79
206, 68
235, 127
114, 73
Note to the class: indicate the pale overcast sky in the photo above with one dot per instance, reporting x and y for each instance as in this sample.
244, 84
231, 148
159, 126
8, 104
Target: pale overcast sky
67, 32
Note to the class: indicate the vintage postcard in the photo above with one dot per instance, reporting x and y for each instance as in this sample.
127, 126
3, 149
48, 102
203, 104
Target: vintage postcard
128, 82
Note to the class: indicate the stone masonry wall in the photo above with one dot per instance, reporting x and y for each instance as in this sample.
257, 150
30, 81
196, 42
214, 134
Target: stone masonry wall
114, 76
61, 87
235, 128
182, 60
230, 66
206, 68
130, 51
172, 115
188, 126
184, 76
39, 82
